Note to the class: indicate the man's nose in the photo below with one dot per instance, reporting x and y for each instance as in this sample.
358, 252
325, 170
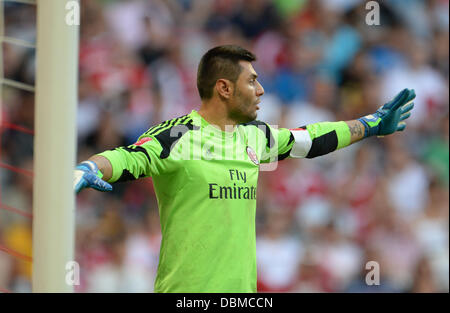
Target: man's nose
259, 90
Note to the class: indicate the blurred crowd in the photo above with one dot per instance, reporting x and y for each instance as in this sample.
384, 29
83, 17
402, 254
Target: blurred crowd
319, 221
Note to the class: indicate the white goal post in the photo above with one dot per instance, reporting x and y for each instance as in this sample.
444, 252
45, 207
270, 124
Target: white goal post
54, 147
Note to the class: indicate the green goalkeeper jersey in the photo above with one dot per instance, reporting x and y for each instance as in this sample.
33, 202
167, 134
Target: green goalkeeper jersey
205, 181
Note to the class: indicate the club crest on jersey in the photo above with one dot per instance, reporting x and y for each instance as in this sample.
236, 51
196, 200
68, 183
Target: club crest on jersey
252, 155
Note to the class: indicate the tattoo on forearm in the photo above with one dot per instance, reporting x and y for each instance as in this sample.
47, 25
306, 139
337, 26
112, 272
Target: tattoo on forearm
356, 130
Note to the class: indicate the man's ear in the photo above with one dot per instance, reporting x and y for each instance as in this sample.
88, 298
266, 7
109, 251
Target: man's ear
224, 88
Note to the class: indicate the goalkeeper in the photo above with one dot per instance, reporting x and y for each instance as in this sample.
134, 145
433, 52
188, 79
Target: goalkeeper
205, 169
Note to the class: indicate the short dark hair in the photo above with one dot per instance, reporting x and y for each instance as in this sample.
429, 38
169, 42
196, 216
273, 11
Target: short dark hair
220, 62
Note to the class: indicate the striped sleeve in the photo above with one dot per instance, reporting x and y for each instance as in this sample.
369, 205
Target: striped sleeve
134, 161
149, 155
317, 139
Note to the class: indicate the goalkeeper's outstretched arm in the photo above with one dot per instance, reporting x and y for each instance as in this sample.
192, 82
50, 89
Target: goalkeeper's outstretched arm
97, 171
120, 164
325, 137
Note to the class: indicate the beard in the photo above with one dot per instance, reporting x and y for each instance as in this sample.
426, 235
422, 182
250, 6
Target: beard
244, 109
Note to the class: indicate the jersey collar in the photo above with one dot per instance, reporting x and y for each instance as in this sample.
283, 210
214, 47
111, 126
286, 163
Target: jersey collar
198, 120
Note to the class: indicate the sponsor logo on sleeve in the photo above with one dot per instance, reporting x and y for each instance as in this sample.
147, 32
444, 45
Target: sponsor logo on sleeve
142, 141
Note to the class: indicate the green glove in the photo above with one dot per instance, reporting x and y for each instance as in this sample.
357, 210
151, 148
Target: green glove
388, 118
